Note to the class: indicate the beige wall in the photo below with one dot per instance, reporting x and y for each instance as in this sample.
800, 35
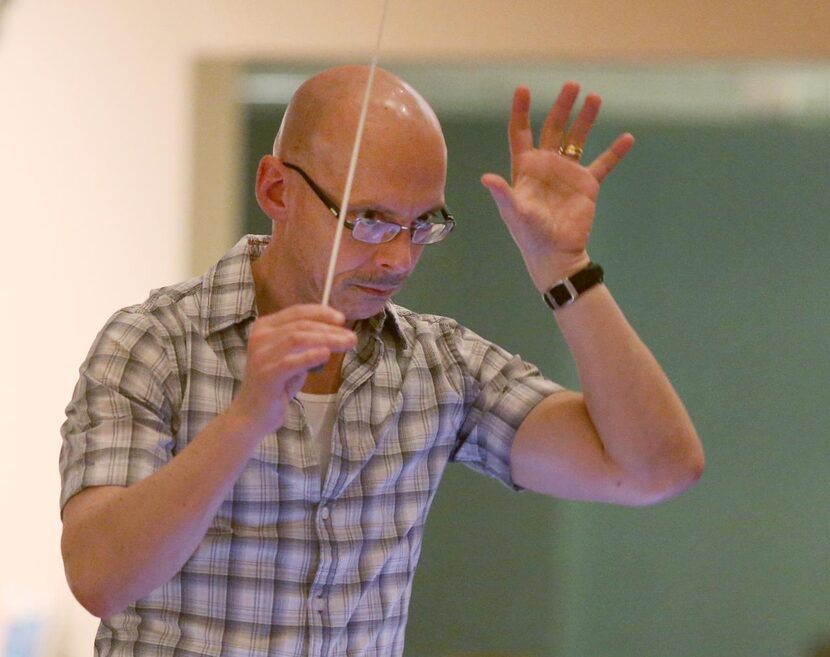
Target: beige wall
96, 170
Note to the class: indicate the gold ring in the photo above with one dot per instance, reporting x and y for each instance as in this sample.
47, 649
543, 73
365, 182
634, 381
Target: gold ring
572, 151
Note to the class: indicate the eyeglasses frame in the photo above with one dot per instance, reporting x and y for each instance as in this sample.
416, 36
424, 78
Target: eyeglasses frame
335, 210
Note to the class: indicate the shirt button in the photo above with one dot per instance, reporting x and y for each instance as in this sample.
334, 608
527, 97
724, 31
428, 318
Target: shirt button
324, 513
319, 604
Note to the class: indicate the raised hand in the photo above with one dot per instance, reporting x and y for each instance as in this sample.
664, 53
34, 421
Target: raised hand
550, 206
282, 348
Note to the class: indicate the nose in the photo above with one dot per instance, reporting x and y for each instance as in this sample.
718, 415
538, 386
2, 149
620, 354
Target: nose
399, 255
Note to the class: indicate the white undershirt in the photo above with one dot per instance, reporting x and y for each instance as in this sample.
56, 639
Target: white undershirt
320, 412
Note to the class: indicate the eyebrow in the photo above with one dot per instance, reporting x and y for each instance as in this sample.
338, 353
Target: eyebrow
382, 209
357, 207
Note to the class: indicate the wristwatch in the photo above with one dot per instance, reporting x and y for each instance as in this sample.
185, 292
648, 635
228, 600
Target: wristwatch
566, 291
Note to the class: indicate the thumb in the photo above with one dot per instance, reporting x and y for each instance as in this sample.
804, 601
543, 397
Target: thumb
501, 192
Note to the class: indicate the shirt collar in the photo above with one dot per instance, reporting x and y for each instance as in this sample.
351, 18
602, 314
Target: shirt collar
228, 294
387, 319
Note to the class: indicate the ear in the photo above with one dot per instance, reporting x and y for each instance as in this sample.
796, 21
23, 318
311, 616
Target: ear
270, 187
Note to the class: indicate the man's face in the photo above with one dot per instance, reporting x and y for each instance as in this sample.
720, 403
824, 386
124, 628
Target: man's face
366, 275
400, 176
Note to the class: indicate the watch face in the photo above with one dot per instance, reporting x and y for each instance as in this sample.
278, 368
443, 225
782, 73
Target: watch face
561, 295
557, 296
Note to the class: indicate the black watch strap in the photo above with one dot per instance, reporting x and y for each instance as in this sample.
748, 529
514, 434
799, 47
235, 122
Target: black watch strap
568, 289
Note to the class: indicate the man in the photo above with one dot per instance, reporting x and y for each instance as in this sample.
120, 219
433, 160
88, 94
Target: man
247, 472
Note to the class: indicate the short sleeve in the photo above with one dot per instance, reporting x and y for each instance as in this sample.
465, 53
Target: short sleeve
119, 424
505, 389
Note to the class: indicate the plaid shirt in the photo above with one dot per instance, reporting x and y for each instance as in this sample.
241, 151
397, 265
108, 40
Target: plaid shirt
284, 569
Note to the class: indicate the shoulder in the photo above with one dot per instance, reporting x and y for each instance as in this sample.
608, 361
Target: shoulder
432, 330
418, 326
446, 341
172, 308
447, 336
161, 317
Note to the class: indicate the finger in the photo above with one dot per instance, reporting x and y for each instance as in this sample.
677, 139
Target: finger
310, 311
293, 365
519, 133
271, 331
578, 133
266, 343
554, 127
264, 359
305, 360
297, 342
500, 190
605, 163
299, 332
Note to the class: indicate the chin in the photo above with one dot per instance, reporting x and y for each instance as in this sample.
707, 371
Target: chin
356, 311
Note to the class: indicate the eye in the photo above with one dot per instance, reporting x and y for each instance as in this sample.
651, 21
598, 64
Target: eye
369, 227
368, 217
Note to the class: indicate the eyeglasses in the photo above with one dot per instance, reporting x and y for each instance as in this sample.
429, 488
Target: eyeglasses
366, 227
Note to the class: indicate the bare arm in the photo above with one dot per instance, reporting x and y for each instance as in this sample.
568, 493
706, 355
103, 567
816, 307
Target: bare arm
629, 439
120, 543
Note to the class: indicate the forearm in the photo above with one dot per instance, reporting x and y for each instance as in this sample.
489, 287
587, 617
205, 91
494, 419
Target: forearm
641, 422
121, 543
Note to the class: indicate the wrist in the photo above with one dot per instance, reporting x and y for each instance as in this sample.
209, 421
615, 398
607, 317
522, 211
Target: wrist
247, 424
556, 270
568, 289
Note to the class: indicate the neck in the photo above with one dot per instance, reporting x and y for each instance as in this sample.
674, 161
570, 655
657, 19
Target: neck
268, 299
327, 380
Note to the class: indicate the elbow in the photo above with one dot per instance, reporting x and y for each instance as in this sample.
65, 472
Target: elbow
678, 474
89, 584
692, 463
93, 593
94, 601
695, 467
93, 597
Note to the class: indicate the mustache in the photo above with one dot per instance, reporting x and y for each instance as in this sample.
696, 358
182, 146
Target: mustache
382, 280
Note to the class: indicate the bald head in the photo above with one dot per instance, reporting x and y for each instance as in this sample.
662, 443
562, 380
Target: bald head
320, 123
400, 176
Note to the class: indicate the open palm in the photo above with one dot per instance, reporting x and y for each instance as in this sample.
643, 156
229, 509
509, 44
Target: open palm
550, 206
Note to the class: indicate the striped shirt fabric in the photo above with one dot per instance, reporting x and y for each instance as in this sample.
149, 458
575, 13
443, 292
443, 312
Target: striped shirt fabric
288, 568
